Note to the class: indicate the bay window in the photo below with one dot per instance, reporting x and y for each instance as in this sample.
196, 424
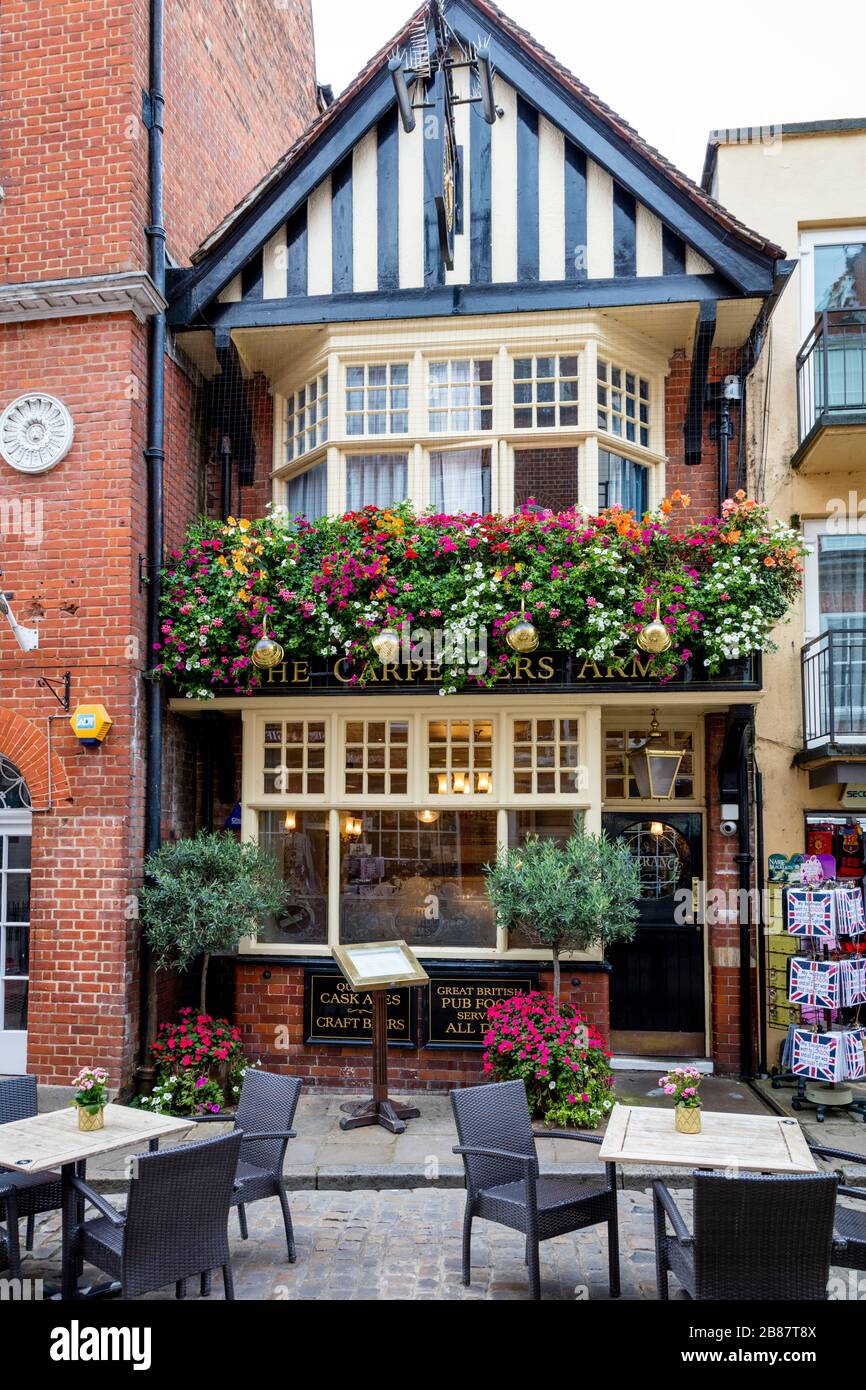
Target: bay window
622, 483
376, 480
377, 399
545, 392
460, 481
460, 396
623, 403
307, 493
307, 418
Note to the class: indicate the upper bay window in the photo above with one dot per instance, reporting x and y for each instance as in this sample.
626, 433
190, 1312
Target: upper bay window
307, 418
545, 392
460, 396
623, 403
377, 399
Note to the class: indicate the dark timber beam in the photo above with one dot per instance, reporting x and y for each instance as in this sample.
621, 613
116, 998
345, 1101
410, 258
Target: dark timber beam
442, 301
694, 425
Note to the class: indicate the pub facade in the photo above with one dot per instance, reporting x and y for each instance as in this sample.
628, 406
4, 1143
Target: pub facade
469, 285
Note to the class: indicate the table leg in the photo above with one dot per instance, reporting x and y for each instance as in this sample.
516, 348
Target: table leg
69, 1271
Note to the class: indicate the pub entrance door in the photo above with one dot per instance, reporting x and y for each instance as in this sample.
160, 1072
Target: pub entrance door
657, 1005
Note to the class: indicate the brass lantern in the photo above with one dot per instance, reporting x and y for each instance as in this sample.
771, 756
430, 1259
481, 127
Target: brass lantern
655, 766
267, 653
386, 645
523, 637
654, 637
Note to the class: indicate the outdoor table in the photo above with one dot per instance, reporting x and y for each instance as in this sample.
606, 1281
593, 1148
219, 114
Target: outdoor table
44, 1143
751, 1143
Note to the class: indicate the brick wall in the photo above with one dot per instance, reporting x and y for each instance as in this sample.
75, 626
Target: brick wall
265, 1007
547, 477
700, 482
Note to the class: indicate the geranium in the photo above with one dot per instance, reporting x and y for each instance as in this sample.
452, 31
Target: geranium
561, 1059
682, 1083
589, 583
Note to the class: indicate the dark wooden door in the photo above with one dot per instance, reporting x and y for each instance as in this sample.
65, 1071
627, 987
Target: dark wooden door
657, 979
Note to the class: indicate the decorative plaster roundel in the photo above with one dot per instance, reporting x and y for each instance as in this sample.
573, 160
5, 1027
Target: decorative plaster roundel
35, 432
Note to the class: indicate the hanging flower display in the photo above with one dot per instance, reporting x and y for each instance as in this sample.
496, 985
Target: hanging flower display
589, 586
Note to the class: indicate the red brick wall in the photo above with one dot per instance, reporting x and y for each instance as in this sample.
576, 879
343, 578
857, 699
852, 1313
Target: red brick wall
701, 482
239, 85
263, 1008
546, 476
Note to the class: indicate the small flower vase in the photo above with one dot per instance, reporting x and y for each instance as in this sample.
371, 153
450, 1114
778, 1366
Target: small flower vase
90, 1120
688, 1119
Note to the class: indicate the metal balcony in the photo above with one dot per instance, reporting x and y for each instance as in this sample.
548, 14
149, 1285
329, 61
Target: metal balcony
833, 668
831, 392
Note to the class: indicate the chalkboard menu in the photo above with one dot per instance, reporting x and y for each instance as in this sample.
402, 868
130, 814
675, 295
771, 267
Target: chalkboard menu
335, 1013
457, 1005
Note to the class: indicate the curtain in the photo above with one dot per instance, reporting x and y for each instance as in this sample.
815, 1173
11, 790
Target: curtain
460, 481
375, 480
307, 495
621, 483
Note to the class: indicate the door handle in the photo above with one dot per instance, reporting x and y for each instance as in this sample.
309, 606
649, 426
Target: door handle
697, 905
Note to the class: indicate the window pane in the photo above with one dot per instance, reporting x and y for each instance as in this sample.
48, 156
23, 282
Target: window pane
621, 483
301, 854
460, 481
423, 882
378, 480
306, 495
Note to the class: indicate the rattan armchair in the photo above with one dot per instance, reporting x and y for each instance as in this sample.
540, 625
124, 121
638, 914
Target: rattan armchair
497, 1144
265, 1114
754, 1237
176, 1221
849, 1227
37, 1192
10, 1257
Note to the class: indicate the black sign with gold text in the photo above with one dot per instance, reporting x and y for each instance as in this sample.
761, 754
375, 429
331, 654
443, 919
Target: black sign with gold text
457, 1005
335, 1013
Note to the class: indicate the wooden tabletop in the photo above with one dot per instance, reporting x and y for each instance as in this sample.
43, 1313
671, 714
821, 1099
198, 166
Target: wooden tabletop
49, 1140
753, 1143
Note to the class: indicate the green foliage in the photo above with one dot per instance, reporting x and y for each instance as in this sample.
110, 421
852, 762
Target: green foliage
204, 895
567, 897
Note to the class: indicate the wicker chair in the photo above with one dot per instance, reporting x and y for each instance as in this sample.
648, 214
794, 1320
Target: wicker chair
9, 1254
176, 1221
266, 1111
38, 1192
754, 1237
497, 1143
849, 1227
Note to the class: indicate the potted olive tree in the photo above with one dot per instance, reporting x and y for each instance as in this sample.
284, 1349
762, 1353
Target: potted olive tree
566, 897
204, 895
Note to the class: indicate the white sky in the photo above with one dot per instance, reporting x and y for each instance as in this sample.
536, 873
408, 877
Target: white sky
704, 66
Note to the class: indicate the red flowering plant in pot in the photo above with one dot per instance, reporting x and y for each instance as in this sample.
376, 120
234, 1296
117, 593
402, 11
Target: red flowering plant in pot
199, 1064
562, 1060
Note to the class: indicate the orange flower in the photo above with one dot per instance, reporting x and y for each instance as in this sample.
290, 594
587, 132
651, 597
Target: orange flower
667, 507
730, 537
770, 562
740, 495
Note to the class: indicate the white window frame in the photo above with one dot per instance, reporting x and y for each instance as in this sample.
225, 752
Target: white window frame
829, 236
502, 800
812, 530
450, 359
13, 1042
288, 435
533, 355
605, 432
366, 435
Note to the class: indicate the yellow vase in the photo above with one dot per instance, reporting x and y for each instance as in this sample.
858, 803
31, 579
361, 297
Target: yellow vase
89, 1122
688, 1118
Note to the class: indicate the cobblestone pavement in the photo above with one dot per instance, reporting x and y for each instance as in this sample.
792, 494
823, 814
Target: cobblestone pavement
406, 1245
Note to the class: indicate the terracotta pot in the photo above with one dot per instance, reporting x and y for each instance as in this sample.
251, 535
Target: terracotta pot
688, 1118
89, 1121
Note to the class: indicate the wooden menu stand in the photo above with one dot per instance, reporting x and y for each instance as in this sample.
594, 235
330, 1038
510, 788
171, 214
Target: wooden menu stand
373, 969
379, 1110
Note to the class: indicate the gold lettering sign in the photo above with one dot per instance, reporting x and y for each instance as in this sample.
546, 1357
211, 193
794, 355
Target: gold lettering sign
334, 1013
519, 670
457, 1006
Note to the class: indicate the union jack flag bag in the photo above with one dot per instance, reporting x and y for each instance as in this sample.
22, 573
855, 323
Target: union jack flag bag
810, 913
815, 982
817, 1055
850, 916
855, 1054
853, 981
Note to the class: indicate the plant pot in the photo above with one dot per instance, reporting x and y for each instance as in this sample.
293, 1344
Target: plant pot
688, 1119
91, 1120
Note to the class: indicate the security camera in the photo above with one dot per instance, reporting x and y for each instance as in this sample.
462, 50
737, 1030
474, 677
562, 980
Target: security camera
26, 637
728, 827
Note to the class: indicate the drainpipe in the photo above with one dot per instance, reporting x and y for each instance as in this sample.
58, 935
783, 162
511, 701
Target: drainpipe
155, 457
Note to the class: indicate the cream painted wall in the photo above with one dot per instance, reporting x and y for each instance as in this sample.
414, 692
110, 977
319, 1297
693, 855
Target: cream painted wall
795, 183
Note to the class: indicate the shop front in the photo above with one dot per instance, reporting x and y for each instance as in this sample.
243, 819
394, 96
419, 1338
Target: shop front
382, 811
